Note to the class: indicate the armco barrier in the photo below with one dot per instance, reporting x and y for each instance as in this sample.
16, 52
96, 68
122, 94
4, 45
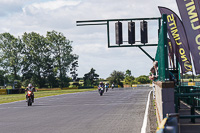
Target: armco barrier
197, 83
3, 92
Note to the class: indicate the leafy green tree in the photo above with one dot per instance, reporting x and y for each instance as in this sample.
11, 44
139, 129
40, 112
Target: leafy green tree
198, 76
10, 60
73, 70
116, 77
43, 61
62, 55
90, 78
3, 78
128, 77
36, 53
190, 80
187, 76
128, 73
143, 79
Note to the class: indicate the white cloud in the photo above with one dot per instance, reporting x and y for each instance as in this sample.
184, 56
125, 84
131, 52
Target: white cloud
9, 7
89, 42
48, 6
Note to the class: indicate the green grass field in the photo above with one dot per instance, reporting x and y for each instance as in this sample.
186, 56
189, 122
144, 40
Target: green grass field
19, 97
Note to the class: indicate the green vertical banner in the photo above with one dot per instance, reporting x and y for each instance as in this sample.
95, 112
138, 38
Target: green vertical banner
162, 52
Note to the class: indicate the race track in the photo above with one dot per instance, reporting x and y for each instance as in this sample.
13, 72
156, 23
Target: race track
117, 111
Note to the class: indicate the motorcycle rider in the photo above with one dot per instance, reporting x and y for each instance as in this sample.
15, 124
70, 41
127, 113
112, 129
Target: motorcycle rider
113, 85
106, 86
101, 84
32, 89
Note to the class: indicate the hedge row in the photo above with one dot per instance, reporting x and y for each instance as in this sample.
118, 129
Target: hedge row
22, 91
11, 91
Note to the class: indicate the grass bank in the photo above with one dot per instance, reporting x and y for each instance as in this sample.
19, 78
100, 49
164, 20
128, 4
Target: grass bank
18, 97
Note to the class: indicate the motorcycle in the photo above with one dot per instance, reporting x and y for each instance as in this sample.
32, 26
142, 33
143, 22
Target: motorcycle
29, 98
106, 86
101, 90
112, 86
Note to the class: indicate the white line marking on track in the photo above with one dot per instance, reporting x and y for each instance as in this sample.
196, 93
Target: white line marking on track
144, 125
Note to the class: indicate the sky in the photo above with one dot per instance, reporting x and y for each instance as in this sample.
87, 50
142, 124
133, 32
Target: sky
89, 42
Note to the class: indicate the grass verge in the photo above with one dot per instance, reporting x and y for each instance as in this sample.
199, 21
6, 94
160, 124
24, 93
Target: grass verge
18, 97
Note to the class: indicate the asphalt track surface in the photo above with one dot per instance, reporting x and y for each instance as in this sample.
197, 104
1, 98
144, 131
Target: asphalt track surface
117, 111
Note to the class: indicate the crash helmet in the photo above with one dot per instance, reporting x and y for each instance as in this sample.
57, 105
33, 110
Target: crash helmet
29, 85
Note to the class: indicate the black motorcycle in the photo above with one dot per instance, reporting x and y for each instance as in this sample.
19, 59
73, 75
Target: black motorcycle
29, 98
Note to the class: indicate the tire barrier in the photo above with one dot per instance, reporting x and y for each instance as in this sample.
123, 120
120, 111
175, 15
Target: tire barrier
3, 91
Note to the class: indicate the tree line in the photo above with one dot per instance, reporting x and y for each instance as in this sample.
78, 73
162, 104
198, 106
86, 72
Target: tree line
117, 77
41, 60
45, 60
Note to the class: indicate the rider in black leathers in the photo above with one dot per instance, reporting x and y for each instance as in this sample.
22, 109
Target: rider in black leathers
32, 89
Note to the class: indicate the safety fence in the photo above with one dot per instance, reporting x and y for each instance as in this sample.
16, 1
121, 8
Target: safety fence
142, 85
191, 96
169, 94
170, 124
190, 83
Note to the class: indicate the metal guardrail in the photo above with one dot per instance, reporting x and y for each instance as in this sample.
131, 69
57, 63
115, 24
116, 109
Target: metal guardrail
194, 83
170, 124
197, 83
142, 85
191, 96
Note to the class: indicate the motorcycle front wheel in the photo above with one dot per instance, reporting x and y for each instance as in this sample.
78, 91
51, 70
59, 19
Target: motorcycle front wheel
101, 93
29, 102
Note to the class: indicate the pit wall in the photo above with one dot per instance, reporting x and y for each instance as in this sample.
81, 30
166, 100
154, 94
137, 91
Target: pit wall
164, 99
